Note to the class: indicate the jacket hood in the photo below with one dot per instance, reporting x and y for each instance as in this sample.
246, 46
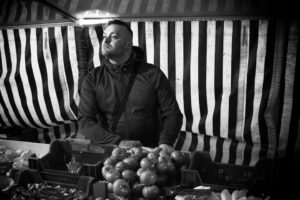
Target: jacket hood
138, 53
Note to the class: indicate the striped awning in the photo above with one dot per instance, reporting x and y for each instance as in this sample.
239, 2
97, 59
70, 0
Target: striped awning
181, 8
22, 12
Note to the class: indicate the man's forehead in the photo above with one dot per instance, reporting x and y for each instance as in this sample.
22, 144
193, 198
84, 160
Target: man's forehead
115, 28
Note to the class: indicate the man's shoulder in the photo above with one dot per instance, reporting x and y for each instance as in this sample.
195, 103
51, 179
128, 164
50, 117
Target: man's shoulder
96, 70
150, 68
94, 73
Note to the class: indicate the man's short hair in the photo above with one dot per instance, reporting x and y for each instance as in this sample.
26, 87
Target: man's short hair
121, 23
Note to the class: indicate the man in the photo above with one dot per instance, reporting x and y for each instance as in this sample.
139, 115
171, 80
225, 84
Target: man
102, 117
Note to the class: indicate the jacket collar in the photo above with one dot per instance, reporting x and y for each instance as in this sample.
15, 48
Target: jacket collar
126, 67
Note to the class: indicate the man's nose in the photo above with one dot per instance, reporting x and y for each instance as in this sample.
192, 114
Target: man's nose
106, 39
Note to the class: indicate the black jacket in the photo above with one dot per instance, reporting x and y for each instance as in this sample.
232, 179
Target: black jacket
151, 114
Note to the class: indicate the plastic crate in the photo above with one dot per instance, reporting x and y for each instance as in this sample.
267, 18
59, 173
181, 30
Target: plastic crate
53, 180
203, 171
61, 153
5, 167
5, 184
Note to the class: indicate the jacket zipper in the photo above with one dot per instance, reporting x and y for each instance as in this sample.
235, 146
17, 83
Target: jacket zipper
126, 116
124, 86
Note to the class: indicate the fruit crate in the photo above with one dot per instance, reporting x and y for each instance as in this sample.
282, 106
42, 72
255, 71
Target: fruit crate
218, 176
61, 153
13, 154
35, 184
5, 167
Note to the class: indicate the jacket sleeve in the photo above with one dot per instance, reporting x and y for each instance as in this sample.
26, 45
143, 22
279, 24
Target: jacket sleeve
170, 112
89, 116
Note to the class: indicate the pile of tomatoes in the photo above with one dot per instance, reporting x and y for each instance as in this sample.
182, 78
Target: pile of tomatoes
138, 173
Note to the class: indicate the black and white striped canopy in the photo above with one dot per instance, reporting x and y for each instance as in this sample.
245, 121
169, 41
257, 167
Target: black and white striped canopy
22, 12
235, 79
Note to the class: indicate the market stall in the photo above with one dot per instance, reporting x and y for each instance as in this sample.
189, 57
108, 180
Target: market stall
232, 64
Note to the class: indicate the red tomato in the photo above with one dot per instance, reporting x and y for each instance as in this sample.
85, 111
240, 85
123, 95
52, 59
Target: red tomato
178, 158
148, 177
151, 192
105, 169
110, 161
121, 166
146, 163
110, 187
162, 167
129, 175
132, 162
112, 175
121, 188
139, 171
171, 168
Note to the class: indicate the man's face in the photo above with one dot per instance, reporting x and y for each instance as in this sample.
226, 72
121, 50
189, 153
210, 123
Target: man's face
116, 40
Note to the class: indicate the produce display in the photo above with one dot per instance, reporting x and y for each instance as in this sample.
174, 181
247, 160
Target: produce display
44, 191
13, 159
211, 195
135, 172
128, 173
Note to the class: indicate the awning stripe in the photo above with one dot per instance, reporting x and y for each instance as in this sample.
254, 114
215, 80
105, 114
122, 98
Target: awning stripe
259, 80
226, 151
251, 80
32, 77
202, 60
288, 81
179, 66
43, 76
235, 68
74, 101
210, 73
218, 77
156, 43
70, 76
149, 35
13, 11
227, 56
134, 28
194, 73
164, 47
186, 75
94, 43
34, 11
279, 56
242, 81
171, 55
